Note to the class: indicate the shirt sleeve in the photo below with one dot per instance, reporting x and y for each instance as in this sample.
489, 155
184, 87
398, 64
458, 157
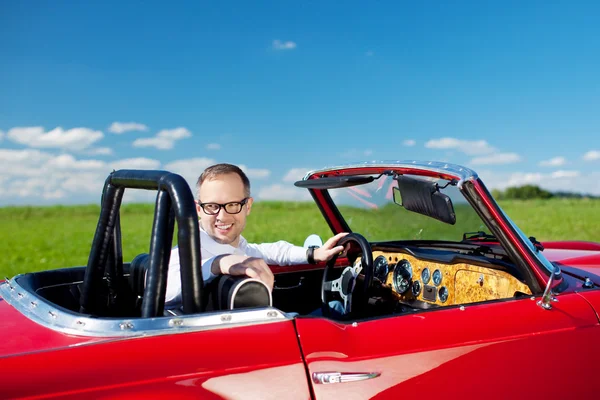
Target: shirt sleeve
278, 253
173, 294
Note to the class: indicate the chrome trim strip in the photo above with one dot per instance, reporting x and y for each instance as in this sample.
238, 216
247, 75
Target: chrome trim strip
58, 319
463, 173
342, 377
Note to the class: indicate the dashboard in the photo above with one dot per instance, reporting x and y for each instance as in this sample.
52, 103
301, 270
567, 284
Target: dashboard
439, 283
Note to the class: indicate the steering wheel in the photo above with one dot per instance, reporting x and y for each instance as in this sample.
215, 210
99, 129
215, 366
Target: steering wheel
344, 285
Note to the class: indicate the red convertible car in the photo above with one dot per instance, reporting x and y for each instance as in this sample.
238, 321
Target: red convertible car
437, 294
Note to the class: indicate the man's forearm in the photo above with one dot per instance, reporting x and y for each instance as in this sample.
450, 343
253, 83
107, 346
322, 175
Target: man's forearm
222, 264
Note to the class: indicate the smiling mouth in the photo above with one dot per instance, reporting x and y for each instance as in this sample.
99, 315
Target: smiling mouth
224, 228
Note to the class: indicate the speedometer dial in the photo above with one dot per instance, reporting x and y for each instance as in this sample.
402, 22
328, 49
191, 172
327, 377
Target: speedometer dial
443, 294
381, 268
416, 288
402, 276
437, 277
425, 276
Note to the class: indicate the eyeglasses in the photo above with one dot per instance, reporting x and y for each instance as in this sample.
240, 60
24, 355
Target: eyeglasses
230, 208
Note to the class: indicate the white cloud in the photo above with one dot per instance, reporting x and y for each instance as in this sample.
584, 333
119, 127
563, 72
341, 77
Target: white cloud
255, 173
33, 176
135, 163
28, 162
68, 162
519, 179
190, 169
295, 174
568, 181
44, 176
281, 192
122, 127
164, 140
409, 142
56, 194
474, 147
564, 174
213, 146
100, 151
495, 159
174, 134
592, 155
71, 139
554, 162
280, 45
85, 182
159, 143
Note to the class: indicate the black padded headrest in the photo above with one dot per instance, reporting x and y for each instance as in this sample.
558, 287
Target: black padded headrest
137, 274
231, 292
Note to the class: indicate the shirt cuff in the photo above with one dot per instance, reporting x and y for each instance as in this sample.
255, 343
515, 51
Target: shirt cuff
298, 255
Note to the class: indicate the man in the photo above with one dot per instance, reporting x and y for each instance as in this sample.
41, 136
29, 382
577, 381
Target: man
223, 204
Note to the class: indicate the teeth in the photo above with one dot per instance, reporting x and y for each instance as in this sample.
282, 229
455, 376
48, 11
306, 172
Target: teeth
224, 226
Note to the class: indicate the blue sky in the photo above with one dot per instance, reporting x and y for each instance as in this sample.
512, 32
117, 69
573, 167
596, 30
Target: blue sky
510, 89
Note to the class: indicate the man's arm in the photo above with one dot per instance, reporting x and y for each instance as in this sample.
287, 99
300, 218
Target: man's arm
284, 253
253, 267
173, 293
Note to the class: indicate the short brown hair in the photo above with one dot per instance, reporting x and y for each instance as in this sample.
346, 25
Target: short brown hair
221, 169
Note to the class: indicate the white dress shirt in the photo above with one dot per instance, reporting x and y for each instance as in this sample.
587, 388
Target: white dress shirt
278, 253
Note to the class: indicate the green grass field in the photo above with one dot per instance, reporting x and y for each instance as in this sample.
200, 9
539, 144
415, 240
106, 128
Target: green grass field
38, 238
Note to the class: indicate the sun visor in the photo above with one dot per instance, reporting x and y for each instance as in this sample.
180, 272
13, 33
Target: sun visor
335, 182
424, 198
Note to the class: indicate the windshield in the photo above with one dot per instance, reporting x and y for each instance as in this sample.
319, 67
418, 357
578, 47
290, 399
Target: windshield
545, 262
370, 210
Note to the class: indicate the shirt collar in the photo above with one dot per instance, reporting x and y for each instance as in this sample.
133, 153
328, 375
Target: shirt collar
215, 247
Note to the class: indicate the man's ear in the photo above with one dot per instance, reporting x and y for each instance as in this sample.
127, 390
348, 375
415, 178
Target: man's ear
198, 210
249, 205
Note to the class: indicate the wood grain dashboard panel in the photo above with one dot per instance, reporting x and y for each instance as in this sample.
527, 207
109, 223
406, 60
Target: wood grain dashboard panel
466, 283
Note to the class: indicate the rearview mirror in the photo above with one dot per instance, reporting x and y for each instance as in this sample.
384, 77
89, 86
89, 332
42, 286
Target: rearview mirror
424, 198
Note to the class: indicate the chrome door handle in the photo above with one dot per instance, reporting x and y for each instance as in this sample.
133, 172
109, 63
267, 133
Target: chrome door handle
342, 377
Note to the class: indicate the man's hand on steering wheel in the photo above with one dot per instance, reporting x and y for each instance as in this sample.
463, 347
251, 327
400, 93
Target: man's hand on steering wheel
345, 284
329, 249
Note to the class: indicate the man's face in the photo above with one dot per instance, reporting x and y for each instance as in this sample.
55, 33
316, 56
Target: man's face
223, 227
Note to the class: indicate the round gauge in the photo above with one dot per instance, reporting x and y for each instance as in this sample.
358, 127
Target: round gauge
425, 276
437, 277
380, 265
416, 288
402, 276
443, 294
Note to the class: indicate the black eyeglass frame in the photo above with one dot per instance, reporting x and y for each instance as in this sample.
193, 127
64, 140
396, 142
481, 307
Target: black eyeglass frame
242, 203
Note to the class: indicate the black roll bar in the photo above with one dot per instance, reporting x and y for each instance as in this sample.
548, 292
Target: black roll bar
174, 201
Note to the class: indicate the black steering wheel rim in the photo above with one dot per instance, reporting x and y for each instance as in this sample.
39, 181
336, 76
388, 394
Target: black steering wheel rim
367, 269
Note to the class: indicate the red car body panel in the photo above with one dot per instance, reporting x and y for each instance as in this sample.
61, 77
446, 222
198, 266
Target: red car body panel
579, 259
573, 245
491, 347
22, 335
592, 297
259, 361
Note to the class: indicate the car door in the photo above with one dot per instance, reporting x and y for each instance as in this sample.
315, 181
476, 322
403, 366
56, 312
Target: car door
243, 361
501, 349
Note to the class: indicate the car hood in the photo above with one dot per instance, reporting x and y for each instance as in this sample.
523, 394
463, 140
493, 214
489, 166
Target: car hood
20, 335
580, 263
